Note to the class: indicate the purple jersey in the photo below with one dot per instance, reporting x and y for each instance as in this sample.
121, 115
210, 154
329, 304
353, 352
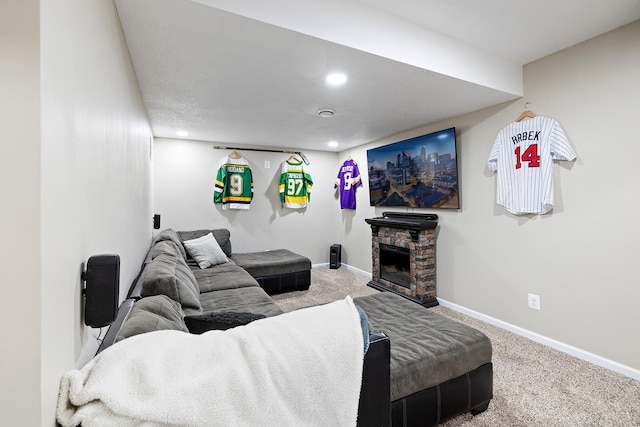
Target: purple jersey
347, 181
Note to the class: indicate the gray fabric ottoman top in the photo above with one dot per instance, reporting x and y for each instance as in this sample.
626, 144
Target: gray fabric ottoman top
426, 348
271, 263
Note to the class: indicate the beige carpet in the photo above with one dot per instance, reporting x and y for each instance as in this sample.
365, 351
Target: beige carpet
534, 385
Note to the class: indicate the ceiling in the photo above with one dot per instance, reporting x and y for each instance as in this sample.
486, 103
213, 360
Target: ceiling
252, 73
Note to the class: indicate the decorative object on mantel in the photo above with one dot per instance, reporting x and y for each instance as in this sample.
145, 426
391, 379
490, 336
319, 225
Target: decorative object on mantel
403, 248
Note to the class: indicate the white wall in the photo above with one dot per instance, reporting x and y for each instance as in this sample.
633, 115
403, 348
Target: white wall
184, 175
581, 258
20, 213
95, 176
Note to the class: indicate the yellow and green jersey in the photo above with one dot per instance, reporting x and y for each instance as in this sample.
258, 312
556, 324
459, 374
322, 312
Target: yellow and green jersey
234, 184
295, 185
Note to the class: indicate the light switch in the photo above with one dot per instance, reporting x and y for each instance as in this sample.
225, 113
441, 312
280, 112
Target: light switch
267, 164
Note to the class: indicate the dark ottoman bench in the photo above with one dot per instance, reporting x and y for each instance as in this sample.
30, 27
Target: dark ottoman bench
276, 271
440, 368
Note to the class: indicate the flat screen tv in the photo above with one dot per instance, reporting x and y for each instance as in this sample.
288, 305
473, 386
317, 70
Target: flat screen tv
420, 172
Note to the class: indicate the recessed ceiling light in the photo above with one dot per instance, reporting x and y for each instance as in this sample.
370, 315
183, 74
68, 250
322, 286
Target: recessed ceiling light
326, 112
336, 79
333, 143
182, 133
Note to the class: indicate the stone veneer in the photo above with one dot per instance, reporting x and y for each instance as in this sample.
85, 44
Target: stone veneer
422, 260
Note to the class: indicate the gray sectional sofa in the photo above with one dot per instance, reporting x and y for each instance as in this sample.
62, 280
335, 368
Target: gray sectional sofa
421, 368
172, 286
172, 292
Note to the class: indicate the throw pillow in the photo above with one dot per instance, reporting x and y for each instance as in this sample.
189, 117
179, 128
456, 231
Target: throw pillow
220, 321
222, 236
206, 251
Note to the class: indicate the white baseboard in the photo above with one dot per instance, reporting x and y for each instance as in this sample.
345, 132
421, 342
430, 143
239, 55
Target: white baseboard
566, 348
357, 270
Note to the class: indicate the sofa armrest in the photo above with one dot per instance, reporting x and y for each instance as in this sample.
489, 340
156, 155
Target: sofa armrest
374, 409
121, 317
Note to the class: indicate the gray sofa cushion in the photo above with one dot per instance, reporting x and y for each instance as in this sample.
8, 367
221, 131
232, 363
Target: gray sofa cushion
427, 349
167, 247
251, 299
169, 275
172, 236
223, 276
154, 313
222, 235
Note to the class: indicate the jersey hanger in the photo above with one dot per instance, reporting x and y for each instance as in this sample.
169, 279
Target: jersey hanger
526, 113
234, 155
299, 153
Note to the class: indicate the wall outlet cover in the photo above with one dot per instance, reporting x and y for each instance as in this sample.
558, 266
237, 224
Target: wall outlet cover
534, 301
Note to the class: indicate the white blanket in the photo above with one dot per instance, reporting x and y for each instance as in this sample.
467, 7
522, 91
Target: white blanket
302, 368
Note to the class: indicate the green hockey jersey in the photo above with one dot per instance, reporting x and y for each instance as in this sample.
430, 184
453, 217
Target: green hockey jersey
234, 184
295, 185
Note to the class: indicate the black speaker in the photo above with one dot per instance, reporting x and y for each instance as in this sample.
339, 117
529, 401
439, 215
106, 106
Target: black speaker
101, 290
335, 256
156, 222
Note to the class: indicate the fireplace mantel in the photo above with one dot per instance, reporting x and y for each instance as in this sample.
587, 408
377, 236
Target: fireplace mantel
413, 222
415, 235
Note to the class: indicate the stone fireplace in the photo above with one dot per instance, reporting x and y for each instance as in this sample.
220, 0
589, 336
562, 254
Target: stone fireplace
403, 248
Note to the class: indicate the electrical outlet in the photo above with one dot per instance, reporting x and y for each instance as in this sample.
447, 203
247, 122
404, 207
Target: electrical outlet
534, 301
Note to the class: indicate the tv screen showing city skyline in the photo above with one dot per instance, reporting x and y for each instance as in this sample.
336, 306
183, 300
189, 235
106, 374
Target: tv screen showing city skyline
420, 172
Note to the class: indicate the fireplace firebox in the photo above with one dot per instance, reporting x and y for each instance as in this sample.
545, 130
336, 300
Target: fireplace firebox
403, 248
394, 265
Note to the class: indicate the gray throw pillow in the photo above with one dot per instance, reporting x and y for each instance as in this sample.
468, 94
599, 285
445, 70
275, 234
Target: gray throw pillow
222, 236
206, 251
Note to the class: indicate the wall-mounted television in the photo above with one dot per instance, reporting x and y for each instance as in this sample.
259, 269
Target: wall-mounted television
420, 172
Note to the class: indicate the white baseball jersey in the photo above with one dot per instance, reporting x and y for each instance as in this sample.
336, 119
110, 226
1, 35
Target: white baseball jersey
523, 155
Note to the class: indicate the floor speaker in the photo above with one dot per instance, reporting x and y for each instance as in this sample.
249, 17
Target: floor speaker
102, 279
335, 256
